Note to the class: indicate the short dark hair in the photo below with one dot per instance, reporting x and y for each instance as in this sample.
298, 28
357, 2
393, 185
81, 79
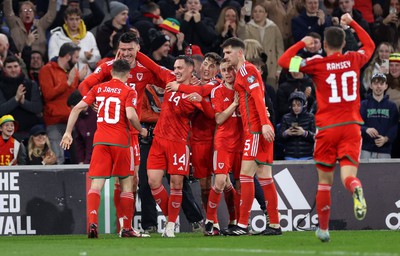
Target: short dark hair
68, 48
315, 35
129, 37
121, 66
72, 10
11, 59
214, 56
188, 61
74, 98
334, 37
233, 42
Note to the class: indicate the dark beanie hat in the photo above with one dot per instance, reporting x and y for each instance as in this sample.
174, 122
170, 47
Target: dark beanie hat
159, 41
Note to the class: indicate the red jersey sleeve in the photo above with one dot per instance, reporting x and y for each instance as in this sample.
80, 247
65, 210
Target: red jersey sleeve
163, 74
253, 85
101, 74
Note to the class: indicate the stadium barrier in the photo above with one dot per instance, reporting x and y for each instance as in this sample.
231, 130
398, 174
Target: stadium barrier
41, 200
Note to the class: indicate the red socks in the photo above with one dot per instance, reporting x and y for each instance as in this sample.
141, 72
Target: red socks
174, 204
213, 202
323, 200
93, 203
351, 183
246, 199
230, 194
117, 194
271, 199
127, 206
160, 195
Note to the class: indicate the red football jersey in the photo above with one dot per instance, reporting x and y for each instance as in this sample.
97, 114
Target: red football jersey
112, 125
228, 135
138, 78
176, 110
337, 79
249, 85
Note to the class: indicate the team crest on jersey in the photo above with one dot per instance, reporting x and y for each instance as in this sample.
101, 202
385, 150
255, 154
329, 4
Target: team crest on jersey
251, 79
134, 101
98, 70
139, 76
221, 165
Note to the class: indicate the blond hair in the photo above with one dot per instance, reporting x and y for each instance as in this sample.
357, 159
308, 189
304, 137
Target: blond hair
38, 152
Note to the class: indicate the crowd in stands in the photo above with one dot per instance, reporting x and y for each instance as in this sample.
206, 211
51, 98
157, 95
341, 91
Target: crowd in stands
47, 47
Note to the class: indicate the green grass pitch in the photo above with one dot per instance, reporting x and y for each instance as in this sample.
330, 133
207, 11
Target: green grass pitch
343, 243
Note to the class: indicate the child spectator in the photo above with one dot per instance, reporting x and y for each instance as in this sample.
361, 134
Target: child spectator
12, 152
297, 129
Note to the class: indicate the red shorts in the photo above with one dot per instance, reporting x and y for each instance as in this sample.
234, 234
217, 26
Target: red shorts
202, 158
136, 149
225, 162
110, 161
169, 155
258, 149
341, 143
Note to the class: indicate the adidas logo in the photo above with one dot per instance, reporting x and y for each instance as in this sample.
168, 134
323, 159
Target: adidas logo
326, 208
93, 212
291, 191
239, 232
226, 99
180, 168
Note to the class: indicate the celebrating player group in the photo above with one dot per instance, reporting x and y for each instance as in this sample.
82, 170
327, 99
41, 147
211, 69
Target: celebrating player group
220, 117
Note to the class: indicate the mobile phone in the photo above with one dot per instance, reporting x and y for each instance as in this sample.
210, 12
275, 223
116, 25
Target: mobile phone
248, 4
385, 66
295, 124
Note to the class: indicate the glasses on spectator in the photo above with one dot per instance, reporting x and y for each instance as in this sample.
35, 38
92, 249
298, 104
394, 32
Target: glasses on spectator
27, 10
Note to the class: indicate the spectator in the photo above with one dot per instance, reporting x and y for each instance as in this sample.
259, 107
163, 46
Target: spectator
36, 63
91, 20
84, 129
195, 26
172, 8
315, 49
311, 19
74, 30
387, 27
213, 8
281, 12
145, 20
393, 91
171, 27
19, 97
39, 149
297, 129
58, 79
3, 49
116, 25
296, 81
26, 23
226, 27
381, 118
268, 34
378, 64
346, 6
12, 152
159, 51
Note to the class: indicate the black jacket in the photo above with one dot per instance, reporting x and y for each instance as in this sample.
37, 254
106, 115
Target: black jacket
298, 146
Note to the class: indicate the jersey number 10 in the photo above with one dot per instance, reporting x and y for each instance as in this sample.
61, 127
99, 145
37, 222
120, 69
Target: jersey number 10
331, 80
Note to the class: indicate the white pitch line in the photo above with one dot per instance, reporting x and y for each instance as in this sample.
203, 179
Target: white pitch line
286, 252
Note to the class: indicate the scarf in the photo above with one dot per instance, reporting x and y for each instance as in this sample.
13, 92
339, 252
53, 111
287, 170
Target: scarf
81, 32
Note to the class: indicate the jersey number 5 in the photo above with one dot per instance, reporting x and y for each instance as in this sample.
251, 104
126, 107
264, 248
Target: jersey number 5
106, 103
349, 75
